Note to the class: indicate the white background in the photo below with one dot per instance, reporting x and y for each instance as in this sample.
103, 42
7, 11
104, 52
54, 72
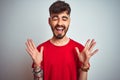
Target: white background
22, 19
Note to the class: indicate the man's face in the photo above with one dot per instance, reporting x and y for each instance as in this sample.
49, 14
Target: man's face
59, 24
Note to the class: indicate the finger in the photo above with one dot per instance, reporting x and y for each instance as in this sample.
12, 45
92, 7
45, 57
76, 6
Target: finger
30, 44
77, 50
29, 52
27, 45
87, 44
92, 46
79, 54
94, 52
91, 43
41, 50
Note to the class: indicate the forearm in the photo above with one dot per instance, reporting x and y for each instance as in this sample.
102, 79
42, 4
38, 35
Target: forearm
83, 75
38, 78
38, 73
84, 72
35, 78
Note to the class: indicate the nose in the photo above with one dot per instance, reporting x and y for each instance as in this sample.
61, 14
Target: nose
59, 22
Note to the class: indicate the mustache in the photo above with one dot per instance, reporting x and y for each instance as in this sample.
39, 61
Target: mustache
63, 26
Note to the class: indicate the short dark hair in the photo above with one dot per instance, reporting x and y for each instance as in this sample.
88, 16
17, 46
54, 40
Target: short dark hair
59, 6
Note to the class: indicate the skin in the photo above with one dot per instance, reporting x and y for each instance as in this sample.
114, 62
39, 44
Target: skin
59, 24
61, 20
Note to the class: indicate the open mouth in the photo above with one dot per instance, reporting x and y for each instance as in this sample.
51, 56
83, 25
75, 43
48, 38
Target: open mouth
59, 28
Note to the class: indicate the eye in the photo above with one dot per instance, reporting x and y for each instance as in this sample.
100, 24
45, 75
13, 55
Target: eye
65, 18
54, 18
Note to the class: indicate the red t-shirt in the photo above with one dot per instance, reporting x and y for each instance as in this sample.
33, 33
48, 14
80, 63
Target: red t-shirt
60, 62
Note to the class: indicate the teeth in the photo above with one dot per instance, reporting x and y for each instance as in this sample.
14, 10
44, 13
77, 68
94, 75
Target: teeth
59, 28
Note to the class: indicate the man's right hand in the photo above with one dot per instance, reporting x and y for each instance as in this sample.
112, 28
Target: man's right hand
34, 53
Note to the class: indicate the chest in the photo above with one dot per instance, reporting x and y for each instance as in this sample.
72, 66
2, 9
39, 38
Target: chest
59, 56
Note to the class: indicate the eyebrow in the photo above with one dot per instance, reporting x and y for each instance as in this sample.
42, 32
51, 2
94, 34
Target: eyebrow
54, 16
57, 16
65, 17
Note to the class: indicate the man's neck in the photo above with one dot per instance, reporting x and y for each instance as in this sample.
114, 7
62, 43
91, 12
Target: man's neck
59, 42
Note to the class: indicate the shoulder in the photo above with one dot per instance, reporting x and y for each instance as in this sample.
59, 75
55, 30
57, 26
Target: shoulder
76, 44
46, 43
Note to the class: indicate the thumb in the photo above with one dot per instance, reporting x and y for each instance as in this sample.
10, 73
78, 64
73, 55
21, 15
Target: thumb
41, 50
77, 50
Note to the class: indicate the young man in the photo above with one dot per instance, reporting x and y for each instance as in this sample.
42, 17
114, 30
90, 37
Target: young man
60, 58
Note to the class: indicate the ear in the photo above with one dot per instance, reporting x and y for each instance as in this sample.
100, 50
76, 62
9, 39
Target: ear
49, 21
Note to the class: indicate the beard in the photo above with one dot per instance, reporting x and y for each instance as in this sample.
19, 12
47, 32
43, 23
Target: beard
60, 35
